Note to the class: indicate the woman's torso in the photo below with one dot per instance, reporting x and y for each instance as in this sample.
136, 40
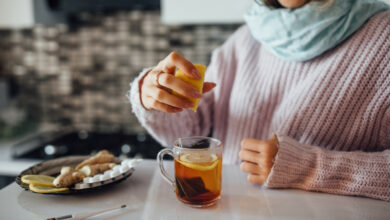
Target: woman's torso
339, 100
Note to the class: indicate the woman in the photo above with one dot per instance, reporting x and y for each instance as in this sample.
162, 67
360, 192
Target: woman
317, 75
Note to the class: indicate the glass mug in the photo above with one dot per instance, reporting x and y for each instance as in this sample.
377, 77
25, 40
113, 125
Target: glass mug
198, 170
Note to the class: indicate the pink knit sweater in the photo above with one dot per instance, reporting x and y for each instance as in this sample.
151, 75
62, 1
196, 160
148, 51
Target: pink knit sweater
331, 114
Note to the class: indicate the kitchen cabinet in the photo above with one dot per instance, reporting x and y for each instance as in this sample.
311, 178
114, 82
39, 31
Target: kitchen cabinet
16, 14
204, 11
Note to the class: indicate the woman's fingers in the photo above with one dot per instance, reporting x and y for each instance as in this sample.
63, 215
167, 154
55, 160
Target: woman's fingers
253, 144
151, 103
165, 97
171, 82
257, 174
266, 147
251, 168
174, 60
157, 85
251, 156
257, 157
208, 86
263, 161
256, 179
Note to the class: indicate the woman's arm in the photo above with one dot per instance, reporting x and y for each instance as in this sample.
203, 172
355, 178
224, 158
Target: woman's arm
286, 163
283, 162
166, 127
313, 168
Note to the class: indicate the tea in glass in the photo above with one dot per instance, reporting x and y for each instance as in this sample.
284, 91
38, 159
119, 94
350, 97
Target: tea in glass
198, 170
198, 177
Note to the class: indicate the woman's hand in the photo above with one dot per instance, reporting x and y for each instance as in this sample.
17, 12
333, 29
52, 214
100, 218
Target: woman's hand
156, 87
258, 158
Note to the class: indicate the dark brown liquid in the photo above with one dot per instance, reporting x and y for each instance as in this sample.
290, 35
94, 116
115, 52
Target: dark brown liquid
198, 183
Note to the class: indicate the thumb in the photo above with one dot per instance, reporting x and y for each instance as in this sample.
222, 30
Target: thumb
208, 86
274, 139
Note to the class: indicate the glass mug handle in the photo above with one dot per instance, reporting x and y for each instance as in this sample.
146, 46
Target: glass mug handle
160, 160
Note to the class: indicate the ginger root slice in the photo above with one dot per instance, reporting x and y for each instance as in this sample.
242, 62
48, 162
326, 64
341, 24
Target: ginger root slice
68, 177
92, 170
101, 157
99, 163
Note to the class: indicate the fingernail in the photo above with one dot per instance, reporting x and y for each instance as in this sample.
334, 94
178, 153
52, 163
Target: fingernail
196, 94
196, 74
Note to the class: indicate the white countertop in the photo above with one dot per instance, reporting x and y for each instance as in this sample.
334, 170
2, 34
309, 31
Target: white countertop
148, 196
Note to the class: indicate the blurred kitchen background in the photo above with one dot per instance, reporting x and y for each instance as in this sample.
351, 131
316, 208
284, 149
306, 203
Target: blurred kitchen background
66, 65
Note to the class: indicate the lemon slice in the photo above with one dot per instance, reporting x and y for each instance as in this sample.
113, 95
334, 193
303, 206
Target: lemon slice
46, 189
38, 180
199, 161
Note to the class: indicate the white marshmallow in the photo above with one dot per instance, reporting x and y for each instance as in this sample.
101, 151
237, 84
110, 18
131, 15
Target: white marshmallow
83, 185
116, 168
105, 176
96, 178
126, 161
87, 180
115, 173
124, 168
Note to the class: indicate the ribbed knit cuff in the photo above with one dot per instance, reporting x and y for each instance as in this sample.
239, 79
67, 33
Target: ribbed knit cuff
314, 168
293, 163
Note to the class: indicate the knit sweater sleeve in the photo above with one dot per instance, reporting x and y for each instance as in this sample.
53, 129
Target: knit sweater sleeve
317, 169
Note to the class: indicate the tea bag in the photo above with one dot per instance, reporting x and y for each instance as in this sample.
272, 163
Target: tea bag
189, 187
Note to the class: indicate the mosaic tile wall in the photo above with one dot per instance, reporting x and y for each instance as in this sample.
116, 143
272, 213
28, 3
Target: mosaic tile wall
78, 75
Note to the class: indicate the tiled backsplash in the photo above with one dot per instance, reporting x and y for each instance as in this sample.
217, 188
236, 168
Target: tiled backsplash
78, 75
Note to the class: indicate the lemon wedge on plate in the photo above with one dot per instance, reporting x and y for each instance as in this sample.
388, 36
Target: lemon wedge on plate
38, 180
199, 161
46, 189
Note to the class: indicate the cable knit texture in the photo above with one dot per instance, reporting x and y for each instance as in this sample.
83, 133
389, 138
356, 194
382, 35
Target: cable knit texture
331, 114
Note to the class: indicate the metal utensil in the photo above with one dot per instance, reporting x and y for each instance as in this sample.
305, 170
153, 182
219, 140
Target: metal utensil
85, 215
